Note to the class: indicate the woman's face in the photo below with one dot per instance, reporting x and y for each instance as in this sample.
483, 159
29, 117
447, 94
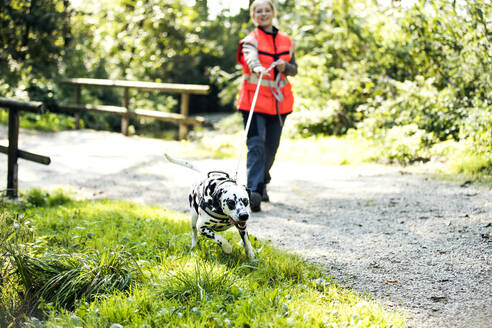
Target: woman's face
263, 15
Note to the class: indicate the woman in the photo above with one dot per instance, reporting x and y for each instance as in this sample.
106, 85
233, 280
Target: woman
263, 47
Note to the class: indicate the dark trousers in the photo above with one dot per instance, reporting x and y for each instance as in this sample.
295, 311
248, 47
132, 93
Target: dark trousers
262, 141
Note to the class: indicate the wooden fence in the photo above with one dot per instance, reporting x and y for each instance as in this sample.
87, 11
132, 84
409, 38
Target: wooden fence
182, 119
13, 152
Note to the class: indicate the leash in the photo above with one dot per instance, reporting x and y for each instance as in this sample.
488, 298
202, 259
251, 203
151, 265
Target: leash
250, 116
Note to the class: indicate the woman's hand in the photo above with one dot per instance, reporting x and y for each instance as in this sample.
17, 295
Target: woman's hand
280, 65
259, 70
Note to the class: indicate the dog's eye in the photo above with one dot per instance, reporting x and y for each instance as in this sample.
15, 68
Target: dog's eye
245, 202
231, 204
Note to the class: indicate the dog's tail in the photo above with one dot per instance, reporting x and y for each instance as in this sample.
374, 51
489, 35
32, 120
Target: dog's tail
181, 162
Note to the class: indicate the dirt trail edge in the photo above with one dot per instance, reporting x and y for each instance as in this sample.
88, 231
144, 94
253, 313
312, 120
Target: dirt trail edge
416, 245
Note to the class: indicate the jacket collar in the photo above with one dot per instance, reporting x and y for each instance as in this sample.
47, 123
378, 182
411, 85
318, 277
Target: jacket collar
273, 33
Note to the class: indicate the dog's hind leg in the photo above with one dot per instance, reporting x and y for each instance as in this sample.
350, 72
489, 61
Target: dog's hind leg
194, 230
247, 244
221, 241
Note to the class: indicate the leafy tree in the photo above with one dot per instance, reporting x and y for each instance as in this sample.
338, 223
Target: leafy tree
33, 36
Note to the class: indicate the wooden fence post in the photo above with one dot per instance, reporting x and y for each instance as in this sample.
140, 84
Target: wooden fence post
126, 117
13, 152
77, 101
183, 127
12, 170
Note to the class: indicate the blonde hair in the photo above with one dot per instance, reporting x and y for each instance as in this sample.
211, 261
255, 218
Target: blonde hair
255, 3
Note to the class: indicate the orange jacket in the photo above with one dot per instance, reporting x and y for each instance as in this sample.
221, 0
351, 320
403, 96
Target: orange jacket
271, 47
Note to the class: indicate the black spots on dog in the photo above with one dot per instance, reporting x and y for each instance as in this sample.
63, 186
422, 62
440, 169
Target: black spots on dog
218, 225
207, 232
217, 196
245, 201
193, 202
231, 204
231, 201
211, 188
213, 184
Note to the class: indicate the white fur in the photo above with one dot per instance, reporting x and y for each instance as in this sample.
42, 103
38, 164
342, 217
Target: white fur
203, 224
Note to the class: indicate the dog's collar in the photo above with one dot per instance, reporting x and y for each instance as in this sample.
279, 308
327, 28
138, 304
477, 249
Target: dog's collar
214, 212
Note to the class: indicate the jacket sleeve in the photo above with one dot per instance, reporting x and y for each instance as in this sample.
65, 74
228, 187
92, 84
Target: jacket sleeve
250, 52
291, 67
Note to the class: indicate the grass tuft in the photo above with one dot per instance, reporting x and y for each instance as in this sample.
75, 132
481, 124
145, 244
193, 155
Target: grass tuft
63, 279
196, 282
39, 198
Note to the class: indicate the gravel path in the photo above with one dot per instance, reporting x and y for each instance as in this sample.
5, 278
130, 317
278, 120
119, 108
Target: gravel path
414, 244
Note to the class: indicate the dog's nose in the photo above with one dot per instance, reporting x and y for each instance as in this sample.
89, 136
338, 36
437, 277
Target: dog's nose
243, 216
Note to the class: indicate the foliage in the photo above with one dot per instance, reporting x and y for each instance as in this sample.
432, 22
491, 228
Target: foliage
476, 128
33, 37
364, 49
145, 40
325, 121
106, 263
160, 41
48, 122
394, 65
417, 102
405, 144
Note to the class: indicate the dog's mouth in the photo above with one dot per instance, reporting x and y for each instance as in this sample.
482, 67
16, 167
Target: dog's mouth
239, 224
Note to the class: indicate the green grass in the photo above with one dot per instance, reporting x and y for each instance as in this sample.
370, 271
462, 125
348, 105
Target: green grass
106, 263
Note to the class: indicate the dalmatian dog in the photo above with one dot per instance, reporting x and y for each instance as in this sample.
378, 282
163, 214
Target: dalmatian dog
216, 204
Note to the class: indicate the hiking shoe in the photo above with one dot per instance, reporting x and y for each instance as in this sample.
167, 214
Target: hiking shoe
255, 201
264, 195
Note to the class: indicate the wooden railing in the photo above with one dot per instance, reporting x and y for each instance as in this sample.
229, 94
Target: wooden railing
13, 152
182, 119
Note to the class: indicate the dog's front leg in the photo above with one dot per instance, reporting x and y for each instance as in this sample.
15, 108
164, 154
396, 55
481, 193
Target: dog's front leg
221, 241
194, 230
247, 244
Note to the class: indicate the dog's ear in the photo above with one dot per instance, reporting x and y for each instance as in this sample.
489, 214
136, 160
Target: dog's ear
248, 191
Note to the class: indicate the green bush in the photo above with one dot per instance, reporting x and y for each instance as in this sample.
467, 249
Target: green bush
47, 122
405, 145
476, 127
416, 102
38, 198
325, 121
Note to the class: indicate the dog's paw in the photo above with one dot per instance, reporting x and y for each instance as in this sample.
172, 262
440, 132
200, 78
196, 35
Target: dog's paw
251, 255
227, 248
